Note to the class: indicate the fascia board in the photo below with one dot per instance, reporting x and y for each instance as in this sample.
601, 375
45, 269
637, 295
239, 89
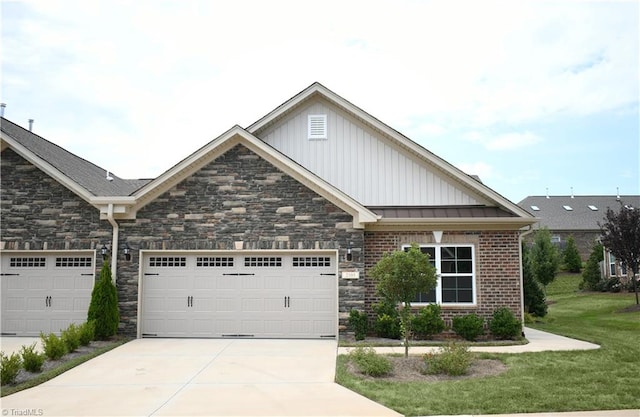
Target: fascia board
396, 136
464, 223
49, 169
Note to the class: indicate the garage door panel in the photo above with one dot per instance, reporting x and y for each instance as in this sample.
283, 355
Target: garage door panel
244, 295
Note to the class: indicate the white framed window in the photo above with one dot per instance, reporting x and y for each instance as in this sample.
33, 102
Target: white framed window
455, 266
613, 266
317, 126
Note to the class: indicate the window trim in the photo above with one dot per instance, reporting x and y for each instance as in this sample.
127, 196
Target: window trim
438, 288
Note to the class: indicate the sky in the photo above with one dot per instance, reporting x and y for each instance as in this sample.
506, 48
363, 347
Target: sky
535, 97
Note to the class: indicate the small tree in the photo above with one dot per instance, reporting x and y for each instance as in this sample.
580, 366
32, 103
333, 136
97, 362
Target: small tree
401, 275
534, 298
103, 310
591, 276
544, 258
621, 237
571, 256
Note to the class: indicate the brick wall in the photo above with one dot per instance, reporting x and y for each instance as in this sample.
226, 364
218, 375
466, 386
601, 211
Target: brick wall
497, 267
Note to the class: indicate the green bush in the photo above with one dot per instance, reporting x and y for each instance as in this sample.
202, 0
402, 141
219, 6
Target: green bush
452, 359
428, 322
468, 327
359, 322
87, 332
32, 360
71, 337
103, 309
387, 323
534, 298
591, 276
54, 347
369, 362
504, 325
571, 257
9, 368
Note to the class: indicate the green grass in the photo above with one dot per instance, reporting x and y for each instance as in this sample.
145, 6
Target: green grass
603, 379
58, 370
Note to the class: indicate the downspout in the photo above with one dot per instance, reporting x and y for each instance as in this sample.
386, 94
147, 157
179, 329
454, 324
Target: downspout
114, 242
522, 235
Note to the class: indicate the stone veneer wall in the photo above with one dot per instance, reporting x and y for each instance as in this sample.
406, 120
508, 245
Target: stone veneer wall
240, 197
497, 264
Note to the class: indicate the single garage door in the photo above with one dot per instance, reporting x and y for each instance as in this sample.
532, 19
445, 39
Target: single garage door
45, 291
262, 295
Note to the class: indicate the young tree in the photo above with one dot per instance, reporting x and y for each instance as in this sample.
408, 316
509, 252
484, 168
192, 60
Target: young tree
534, 299
103, 309
571, 256
621, 237
544, 258
591, 275
401, 275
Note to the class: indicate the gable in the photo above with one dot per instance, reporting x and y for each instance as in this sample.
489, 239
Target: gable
363, 162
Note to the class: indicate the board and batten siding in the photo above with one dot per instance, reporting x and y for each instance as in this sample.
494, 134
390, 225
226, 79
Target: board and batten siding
362, 163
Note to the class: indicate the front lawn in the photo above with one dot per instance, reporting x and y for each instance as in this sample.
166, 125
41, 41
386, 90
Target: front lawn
538, 382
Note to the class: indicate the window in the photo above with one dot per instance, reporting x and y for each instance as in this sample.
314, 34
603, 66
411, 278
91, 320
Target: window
317, 128
168, 261
456, 274
556, 239
535, 208
613, 267
568, 208
311, 261
64, 262
263, 261
27, 262
592, 208
213, 261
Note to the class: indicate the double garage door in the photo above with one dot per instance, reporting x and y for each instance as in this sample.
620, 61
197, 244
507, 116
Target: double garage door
233, 294
45, 291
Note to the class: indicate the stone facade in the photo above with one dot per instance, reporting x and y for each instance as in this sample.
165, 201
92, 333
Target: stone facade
497, 267
38, 213
239, 197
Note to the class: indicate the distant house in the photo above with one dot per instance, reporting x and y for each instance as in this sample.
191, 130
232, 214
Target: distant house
578, 216
266, 231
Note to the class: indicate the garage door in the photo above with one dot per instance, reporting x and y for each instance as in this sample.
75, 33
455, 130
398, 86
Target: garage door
263, 295
45, 292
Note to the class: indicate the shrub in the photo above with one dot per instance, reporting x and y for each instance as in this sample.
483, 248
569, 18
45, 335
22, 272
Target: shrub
571, 256
387, 323
534, 298
103, 309
468, 327
428, 322
71, 337
359, 323
452, 359
54, 347
369, 362
9, 368
87, 332
591, 277
504, 325
32, 360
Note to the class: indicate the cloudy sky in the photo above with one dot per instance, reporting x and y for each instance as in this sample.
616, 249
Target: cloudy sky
529, 95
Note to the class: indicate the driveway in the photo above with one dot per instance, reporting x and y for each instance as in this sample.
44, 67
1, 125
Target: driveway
200, 377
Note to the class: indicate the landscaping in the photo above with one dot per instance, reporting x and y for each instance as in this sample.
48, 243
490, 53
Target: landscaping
602, 379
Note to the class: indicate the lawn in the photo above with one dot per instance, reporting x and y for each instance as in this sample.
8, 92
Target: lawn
538, 382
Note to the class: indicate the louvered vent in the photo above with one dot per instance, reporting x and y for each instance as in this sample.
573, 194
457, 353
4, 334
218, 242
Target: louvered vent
317, 126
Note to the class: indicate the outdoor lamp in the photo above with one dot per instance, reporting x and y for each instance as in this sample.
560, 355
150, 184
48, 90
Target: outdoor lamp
127, 252
349, 255
103, 251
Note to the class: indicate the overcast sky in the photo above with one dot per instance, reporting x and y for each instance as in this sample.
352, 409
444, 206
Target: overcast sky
530, 96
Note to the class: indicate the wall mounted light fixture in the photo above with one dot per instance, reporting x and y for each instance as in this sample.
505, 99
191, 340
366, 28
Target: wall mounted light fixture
104, 251
349, 256
127, 252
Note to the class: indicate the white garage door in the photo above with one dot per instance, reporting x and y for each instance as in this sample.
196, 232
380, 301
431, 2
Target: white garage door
239, 295
45, 291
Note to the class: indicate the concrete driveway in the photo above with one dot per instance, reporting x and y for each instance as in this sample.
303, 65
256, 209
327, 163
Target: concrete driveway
201, 377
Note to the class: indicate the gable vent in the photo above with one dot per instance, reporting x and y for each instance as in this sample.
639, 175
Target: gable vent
317, 126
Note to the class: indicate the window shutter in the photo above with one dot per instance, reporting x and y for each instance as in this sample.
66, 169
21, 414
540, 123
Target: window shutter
317, 126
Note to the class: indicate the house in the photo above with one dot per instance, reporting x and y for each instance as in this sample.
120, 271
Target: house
266, 231
579, 216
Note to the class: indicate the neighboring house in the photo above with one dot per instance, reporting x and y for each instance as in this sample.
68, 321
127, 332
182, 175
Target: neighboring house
578, 216
266, 231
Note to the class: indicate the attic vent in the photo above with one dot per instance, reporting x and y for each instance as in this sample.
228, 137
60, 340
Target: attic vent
535, 208
317, 126
594, 208
568, 208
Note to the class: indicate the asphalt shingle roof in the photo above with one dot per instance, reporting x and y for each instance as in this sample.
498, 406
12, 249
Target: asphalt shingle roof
86, 174
554, 216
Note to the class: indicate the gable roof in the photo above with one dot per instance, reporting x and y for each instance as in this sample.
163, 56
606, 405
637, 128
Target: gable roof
81, 176
233, 137
555, 216
445, 169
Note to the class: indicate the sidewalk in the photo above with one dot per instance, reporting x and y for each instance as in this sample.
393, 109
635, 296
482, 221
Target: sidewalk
539, 341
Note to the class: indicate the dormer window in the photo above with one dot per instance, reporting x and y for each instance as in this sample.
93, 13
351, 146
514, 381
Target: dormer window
317, 128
